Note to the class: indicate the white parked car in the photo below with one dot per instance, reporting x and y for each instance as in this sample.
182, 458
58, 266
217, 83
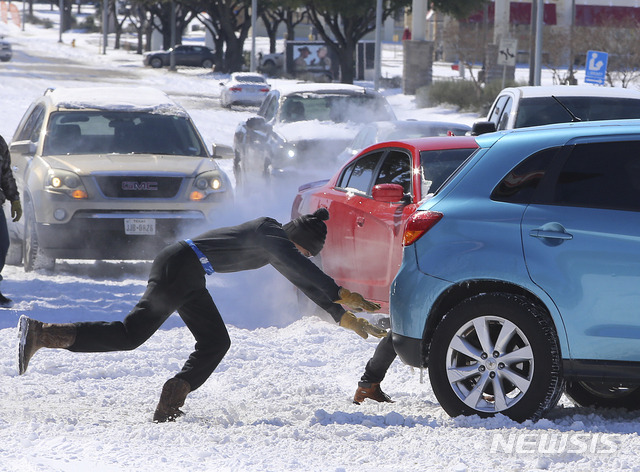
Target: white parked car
244, 88
271, 64
521, 107
109, 173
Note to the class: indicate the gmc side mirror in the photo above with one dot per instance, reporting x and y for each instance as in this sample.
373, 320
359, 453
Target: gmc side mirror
221, 151
23, 147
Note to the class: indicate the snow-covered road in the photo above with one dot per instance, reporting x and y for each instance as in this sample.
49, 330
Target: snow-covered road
281, 399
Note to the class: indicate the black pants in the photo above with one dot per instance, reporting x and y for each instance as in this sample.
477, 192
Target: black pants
4, 239
176, 282
382, 358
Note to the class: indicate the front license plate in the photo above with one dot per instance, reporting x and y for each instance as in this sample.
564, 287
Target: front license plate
139, 226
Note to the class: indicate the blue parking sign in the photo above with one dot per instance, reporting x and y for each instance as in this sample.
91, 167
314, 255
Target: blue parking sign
596, 67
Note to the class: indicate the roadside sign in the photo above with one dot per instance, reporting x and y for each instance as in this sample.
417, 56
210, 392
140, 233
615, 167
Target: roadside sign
596, 67
507, 50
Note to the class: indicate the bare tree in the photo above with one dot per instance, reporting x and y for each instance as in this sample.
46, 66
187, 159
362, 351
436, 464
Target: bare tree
162, 11
341, 24
468, 42
281, 11
229, 22
559, 45
118, 23
619, 38
140, 20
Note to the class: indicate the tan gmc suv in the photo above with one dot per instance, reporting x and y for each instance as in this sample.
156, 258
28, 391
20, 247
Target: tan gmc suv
109, 173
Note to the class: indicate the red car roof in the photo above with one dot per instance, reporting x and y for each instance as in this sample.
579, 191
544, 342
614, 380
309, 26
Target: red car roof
426, 144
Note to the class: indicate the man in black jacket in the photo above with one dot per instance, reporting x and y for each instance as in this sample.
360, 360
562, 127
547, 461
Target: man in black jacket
177, 282
8, 191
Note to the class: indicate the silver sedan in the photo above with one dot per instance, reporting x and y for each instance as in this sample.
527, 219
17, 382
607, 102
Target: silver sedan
244, 88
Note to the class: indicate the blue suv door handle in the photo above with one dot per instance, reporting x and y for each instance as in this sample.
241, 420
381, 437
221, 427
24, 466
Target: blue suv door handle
551, 231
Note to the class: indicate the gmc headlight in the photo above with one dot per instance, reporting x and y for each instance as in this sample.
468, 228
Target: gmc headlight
289, 151
206, 183
68, 183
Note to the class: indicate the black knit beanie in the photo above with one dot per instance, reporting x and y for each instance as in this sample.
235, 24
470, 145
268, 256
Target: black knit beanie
309, 231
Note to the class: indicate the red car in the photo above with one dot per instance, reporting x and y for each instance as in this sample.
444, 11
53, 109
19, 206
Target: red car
370, 199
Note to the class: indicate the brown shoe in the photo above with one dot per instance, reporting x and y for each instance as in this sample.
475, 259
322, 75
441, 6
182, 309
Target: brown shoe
372, 391
34, 334
174, 393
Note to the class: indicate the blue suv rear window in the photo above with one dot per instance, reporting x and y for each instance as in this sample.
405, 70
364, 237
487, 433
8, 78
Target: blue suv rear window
520, 185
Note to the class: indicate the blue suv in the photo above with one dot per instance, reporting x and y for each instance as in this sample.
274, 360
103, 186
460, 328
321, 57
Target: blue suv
520, 277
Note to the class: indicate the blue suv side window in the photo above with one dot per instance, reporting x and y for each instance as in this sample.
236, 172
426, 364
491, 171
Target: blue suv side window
601, 175
520, 185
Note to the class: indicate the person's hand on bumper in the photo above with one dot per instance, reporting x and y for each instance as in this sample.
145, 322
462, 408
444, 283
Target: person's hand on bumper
16, 210
361, 326
355, 301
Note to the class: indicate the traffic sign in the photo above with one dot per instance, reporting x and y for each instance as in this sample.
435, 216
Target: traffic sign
507, 50
596, 67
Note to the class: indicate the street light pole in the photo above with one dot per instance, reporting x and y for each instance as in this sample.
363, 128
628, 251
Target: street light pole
61, 7
377, 66
105, 25
254, 18
172, 55
539, 21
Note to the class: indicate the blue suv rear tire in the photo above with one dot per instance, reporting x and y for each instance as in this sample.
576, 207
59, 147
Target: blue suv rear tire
496, 353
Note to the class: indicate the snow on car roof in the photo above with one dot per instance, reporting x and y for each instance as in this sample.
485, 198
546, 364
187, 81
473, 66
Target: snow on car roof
575, 91
287, 89
247, 75
116, 98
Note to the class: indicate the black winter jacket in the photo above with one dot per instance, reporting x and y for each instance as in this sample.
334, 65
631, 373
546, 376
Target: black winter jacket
262, 241
8, 187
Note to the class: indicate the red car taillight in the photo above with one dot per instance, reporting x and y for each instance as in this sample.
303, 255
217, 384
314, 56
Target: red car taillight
418, 224
235, 89
264, 90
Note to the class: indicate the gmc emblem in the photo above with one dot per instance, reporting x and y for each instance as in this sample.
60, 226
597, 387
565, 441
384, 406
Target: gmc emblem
144, 186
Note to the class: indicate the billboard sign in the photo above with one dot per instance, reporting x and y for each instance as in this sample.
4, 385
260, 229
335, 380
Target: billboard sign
311, 60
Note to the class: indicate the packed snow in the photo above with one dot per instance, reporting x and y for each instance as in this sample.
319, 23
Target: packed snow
281, 398
117, 98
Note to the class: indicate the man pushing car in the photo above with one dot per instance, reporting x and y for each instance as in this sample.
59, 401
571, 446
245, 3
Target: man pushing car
177, 283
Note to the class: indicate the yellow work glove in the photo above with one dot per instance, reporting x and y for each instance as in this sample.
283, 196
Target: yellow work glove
16, 210
355, 301
361, 326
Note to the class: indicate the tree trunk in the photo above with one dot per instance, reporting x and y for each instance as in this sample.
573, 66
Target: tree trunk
347, 69
291, 34
219, 53
271, 25
66, 15
233, 55
140, 33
